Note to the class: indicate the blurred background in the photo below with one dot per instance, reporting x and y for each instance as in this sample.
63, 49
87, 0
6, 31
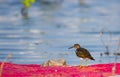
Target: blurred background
47, 28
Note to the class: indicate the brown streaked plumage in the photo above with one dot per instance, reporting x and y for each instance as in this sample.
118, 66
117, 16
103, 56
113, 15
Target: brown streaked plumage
82, 52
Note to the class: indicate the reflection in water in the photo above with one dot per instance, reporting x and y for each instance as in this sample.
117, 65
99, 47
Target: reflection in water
24, 12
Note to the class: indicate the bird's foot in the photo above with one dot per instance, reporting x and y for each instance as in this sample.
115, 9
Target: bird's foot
81, 66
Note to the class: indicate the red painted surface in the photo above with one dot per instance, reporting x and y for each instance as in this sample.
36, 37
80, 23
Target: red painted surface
98, 70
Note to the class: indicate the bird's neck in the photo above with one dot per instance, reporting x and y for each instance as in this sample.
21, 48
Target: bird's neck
77, 49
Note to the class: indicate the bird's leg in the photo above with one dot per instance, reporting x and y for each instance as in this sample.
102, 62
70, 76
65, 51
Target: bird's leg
80, 63
86, 62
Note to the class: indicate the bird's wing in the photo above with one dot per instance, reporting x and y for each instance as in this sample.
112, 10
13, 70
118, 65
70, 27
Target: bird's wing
85, 52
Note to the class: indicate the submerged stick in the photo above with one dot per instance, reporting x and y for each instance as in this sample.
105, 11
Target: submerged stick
108, 44
2, 64
116, 51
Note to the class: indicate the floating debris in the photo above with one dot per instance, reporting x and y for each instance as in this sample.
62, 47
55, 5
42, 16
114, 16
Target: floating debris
55, 62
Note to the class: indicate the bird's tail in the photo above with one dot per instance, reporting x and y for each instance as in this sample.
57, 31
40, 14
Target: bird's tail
92, 58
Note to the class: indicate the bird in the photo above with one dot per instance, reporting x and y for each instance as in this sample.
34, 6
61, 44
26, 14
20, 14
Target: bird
82, 53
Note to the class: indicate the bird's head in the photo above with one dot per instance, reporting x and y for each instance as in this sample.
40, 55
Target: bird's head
76, 46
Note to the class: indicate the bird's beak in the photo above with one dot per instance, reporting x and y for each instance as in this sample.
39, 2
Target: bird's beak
70, 47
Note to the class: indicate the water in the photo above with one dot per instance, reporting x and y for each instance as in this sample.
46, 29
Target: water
52, 28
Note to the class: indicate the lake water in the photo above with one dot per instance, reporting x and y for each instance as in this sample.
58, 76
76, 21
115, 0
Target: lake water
51, 28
